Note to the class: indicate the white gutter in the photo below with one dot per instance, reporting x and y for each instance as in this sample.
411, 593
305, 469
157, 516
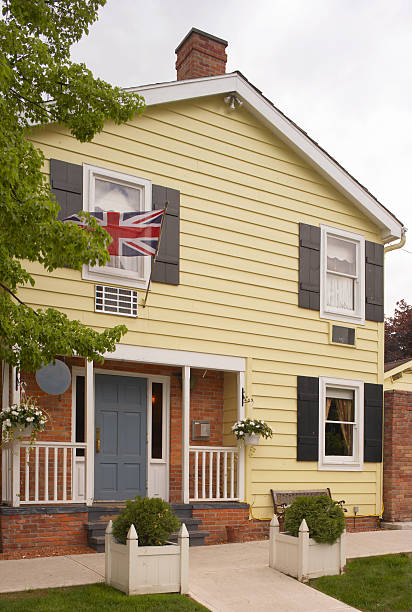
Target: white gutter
397, 245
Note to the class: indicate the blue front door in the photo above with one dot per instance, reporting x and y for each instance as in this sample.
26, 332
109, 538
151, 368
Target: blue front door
120, 458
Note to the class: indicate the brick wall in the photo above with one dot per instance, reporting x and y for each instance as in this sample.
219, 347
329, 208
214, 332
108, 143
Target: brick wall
216, 518
362, 523
397, 456
33, 528
200, 55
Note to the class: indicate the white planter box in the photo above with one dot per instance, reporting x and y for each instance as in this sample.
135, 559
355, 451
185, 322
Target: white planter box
136, 569
252, 439
302, 557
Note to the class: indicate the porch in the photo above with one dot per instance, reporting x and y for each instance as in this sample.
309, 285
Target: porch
198, 460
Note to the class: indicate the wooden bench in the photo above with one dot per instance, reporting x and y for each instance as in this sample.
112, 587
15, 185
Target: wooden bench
283, 499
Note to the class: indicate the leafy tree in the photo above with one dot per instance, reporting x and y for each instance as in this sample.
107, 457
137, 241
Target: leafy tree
38, 85
398, 333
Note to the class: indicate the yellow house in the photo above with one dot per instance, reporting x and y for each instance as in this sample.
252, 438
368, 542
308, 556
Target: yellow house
266, 302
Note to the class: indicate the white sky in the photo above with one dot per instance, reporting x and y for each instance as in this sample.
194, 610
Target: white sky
341, 69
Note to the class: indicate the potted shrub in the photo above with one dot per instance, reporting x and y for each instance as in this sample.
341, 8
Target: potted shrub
138, 557
250, 430
313, 543
22, 420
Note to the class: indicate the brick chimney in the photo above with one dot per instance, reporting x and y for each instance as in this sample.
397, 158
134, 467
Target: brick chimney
200, 55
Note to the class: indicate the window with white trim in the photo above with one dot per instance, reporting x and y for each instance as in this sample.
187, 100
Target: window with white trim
340, 424
108, 190
342, 283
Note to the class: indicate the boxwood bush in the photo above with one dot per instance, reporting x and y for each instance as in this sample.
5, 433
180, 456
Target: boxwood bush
323, 516
152, 517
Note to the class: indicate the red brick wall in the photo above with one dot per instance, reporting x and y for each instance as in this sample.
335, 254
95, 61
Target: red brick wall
22, 531
363, 523
215, 520
397, 456
200, 56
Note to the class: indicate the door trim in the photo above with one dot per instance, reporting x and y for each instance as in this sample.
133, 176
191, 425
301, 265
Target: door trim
151, 378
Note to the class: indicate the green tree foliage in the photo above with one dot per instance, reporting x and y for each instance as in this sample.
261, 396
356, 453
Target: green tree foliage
152, 517
398, 333
323, 516
39, 85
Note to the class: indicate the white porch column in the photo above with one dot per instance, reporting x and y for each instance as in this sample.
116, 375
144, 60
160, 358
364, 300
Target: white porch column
241, 415
186, 430
89, 430
15, 387
4, 452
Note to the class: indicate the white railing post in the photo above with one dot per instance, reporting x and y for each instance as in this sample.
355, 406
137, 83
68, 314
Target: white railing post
183, 542
273, 533
303, 552
15, 474
241, 456
186, 431
89, 426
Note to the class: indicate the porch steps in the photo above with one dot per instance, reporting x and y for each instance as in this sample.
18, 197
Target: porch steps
100, 514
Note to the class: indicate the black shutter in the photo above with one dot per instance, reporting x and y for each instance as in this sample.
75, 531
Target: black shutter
309, 266
373, 417
66, 182
308, 418
374, 281
166, 267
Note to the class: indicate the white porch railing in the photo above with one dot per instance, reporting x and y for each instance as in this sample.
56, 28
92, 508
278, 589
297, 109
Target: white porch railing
44, 473
213, 473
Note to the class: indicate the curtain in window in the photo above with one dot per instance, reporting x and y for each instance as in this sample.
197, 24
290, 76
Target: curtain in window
344, 412
339, 292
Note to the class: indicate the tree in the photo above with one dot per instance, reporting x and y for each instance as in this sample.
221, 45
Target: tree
398, 333
38, 85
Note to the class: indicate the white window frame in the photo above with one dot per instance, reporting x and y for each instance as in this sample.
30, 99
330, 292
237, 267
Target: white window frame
114, 276
342, 463
357, 315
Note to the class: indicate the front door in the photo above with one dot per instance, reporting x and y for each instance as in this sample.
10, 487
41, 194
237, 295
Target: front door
120, 444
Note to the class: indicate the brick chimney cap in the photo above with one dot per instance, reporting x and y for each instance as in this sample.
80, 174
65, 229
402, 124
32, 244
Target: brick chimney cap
202, 33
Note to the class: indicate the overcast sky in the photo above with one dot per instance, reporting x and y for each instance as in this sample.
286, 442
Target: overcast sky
341, 69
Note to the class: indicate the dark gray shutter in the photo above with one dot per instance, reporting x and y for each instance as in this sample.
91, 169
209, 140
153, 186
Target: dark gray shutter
309, 266
166, 267
308, 418
66, 182
373, 418
374, 281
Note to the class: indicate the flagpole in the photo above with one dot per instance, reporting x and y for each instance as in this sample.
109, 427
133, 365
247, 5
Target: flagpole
155, 255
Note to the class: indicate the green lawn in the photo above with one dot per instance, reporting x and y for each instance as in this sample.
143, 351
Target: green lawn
94, 597
381, 584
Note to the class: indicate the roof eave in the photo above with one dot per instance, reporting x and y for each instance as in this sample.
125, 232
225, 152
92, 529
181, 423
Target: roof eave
286, 131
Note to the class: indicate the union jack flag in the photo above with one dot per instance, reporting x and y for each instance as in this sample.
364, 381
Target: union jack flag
133, 233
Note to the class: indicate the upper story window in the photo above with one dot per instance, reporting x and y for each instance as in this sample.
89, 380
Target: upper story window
108, 190
342, 275
340, 424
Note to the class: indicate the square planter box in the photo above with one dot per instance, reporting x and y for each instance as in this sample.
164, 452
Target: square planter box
136, 569
302, 557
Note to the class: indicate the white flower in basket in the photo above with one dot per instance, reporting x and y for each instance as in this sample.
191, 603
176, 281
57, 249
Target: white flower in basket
22, 420
250, 430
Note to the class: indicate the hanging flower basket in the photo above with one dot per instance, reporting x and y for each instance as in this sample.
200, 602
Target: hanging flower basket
22, 420
251, 430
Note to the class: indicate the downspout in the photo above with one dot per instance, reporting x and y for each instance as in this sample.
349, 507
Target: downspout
397, 245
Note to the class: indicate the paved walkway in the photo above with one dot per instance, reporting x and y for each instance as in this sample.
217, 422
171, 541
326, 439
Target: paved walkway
224, 578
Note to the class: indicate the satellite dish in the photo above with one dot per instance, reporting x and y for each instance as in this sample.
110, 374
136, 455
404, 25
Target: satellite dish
54, 379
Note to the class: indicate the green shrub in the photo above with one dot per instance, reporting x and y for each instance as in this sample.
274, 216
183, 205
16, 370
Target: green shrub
323, 516
152, 517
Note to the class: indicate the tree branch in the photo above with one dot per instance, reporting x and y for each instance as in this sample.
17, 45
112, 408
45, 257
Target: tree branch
16, 298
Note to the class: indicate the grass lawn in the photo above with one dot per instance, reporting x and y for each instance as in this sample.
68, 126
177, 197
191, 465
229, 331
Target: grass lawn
94, 597
374, 584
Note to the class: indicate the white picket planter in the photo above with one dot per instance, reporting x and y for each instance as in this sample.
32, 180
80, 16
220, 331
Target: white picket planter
136, 569
302, 557
252, 439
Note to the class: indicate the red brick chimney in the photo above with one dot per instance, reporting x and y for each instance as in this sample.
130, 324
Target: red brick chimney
200, 55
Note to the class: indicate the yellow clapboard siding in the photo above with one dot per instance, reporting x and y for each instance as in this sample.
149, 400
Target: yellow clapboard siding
243, 193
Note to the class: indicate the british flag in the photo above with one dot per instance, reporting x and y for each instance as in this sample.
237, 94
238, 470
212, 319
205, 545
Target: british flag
133, 233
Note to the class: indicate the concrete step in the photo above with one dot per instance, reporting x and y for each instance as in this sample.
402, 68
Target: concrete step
182, 511
396, 525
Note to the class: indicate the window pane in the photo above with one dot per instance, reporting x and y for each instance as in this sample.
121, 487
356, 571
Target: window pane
338, 439
120, 198
338, 409
157, 421
340, 292
341, 256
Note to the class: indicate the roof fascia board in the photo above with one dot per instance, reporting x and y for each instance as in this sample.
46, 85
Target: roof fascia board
401, 368
285, 130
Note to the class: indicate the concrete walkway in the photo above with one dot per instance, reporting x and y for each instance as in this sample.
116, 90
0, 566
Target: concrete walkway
224, 578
